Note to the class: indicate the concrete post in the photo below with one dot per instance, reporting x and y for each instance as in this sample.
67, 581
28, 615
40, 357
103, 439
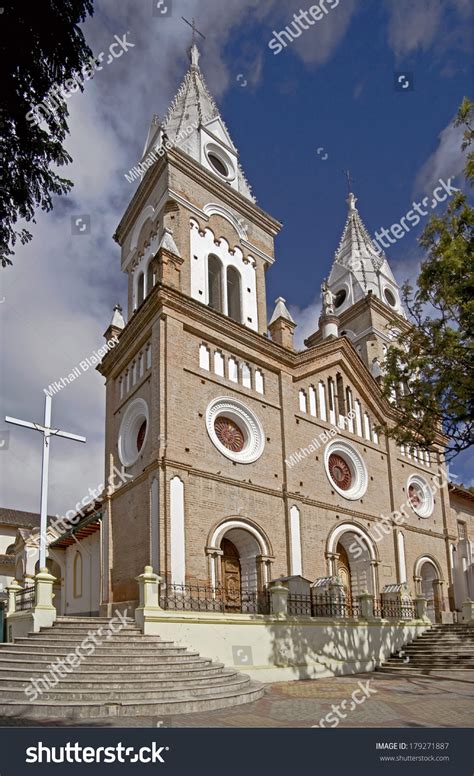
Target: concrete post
44, 610
420, 608
366, 605
149, 592
12, 589
468, 611
279, 598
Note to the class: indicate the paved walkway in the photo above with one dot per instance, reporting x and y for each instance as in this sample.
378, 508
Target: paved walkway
443, 700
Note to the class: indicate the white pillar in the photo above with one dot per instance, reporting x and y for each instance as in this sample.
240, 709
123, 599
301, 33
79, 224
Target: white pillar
177, 533
295, 541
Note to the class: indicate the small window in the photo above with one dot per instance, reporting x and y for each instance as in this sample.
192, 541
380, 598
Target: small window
215, 283
218, 165
340, 297
389, 297
233, 294
77, 575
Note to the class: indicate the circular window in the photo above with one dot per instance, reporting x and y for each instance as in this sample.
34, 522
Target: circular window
235, 430
420, 496
340, 297
133, 431
345, 469
390, 297
340, 471
220, 161
218, 165
141, 436
229, 434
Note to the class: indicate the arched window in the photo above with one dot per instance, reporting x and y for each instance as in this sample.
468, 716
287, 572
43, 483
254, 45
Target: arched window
302, 401
140, 289
149, 278
233, 294
214, 277
77, 575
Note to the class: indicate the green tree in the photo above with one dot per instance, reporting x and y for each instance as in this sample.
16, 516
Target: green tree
41, 47
429, 369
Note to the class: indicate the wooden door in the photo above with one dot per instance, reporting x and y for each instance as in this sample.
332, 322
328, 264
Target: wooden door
231, 577
344, 571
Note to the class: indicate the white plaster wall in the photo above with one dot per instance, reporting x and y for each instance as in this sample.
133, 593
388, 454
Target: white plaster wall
7, 537
282, 650
89, 600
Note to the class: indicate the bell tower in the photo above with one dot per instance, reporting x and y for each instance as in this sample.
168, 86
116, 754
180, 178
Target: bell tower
365, 294
193, 222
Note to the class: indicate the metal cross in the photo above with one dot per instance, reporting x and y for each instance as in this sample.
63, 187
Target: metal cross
47, 432
194, 29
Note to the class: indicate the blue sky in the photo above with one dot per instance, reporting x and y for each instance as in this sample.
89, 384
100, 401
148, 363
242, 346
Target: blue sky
332, 89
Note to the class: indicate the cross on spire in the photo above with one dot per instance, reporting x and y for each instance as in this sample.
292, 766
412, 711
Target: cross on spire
194, 29
47, 430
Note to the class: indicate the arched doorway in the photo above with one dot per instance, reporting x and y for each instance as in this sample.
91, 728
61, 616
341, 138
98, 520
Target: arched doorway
239, 563
352, 557
429, 585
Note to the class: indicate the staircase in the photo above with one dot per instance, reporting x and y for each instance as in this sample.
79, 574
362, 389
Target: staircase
129, 674
441, 648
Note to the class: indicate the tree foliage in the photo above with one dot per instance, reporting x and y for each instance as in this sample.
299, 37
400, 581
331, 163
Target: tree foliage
429, 369
41, 47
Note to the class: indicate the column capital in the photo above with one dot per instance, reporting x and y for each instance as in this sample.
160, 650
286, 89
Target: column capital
214, 551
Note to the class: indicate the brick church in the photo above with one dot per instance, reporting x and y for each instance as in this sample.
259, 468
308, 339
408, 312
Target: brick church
248, 459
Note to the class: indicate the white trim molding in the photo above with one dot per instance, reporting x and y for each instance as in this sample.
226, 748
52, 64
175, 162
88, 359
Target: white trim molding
135, 414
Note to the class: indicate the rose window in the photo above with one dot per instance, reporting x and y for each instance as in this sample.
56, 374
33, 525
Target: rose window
229, 434
141, 436
415, 496
420, 496
340, 471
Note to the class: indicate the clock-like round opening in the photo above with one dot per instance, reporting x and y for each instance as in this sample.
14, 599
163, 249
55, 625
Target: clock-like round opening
389, 297
218, 165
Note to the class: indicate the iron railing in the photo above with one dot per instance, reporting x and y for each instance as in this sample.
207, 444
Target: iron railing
307, 605
393, 610
204, 598
25, 599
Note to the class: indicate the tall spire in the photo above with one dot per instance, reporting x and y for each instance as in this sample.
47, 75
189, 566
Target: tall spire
360, 266
194, 125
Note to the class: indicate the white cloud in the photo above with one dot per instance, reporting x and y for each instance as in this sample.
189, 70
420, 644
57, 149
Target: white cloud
447, 161
421, 24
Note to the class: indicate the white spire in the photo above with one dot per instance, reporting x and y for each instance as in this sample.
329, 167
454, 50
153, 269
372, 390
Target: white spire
193, 109
280, 311
359, 267
356, 245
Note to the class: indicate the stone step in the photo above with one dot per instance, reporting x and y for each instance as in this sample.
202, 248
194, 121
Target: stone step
106, 649
201, 668
72, 619
60, 696
137, 684
119, 638
107, 658
131, 665
90, 710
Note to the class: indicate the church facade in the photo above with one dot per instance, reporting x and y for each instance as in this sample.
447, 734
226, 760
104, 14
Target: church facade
248, 460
